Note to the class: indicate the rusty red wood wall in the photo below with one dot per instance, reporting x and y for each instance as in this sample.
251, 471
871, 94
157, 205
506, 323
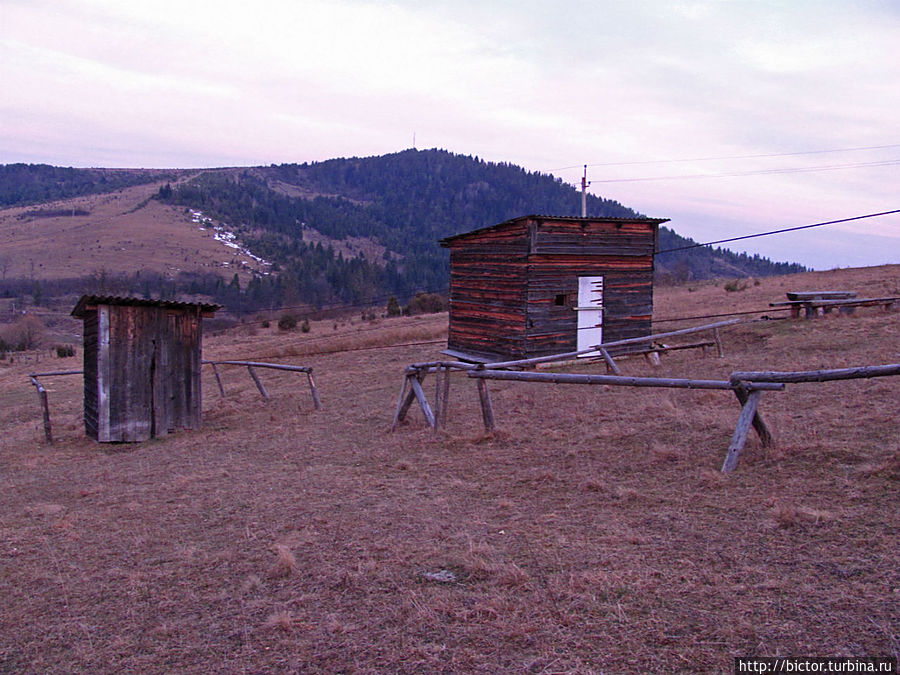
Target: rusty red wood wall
514, 286
488, 291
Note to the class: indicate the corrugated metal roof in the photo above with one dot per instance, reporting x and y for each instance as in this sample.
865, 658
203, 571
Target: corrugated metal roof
604, 219
81, 307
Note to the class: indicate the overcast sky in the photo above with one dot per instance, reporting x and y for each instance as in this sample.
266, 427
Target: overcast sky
729, 117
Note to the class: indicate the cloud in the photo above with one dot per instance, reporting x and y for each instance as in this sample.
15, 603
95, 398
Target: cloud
201, 83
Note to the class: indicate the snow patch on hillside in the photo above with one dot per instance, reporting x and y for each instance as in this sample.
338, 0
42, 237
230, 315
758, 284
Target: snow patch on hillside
222, 233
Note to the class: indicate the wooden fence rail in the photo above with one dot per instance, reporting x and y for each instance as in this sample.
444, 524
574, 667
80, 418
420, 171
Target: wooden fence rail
620, 380
250, 365
253, 365
414, 374
603, 349
797, 376
748, 386
790, 377
748, 394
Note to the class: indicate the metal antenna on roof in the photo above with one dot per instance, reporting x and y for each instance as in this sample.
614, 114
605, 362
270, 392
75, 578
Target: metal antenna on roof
584, 185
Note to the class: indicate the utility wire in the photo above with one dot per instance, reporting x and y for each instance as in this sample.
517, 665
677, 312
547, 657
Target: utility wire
759, 172
727, 157
786, 229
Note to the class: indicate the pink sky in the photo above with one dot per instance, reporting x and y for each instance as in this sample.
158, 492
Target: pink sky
547, 87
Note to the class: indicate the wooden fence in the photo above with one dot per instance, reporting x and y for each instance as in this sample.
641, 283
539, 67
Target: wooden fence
415, 374
251, 368
250, 365
748, 387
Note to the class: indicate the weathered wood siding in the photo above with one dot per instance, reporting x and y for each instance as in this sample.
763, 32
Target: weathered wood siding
514, 286
627, 301
89, 355
488, 293
562, 251
142, 372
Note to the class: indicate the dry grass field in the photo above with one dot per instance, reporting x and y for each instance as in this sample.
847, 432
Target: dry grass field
116, 233
591, 533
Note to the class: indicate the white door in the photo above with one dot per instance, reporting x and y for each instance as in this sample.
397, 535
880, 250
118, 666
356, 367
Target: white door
590, 313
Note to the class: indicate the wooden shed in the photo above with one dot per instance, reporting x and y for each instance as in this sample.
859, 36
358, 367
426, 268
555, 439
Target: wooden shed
541, 285
141, 366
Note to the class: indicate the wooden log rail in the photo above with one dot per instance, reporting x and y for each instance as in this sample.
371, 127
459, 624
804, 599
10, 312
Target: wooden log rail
748, 394
603, 349
253, 365
797, 376
620, 380
42, 397
415, 374
739, 379
748, 386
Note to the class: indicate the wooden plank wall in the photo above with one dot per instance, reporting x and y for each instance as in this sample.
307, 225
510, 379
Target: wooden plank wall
89, 359
132, 331
562, 251
150, 377
592, 238
183, 409
488, 292
504, 284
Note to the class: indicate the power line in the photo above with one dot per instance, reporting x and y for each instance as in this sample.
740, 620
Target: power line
312, 309
728, 157
758, 172
786, 229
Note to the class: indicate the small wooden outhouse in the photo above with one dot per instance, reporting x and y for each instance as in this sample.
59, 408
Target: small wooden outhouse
542, 285
141, 366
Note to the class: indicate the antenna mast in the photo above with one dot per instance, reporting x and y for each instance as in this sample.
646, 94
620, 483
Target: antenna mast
584, 185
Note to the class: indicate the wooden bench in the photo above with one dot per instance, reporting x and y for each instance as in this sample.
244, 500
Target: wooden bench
845, 302
811, 301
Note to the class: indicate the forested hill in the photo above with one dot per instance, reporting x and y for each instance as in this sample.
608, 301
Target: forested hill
25, 184
405, 202
360, 230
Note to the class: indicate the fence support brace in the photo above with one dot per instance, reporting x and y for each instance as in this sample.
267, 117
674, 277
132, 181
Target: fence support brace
251, 368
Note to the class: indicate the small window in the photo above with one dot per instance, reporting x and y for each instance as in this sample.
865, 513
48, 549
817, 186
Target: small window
560, 300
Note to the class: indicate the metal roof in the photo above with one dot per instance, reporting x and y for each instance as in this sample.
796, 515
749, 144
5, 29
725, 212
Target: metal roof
602, 219
81, 308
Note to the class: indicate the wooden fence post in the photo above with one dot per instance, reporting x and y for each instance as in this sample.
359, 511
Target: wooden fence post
487, 410
313, 390
445, 399
416, 383
765, 436
718, 340
403, 402
745, 420
218, 380
610, 364
259, 384
439, 375
45, 406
